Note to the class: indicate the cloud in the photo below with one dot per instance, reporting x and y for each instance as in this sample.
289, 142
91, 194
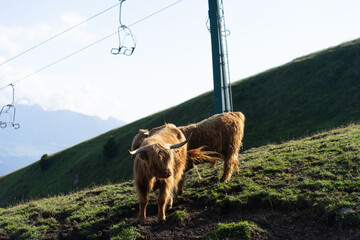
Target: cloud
76, 92
37, 89
9, 74
15, 39
8, 47
72, 19
6, 73
79, 33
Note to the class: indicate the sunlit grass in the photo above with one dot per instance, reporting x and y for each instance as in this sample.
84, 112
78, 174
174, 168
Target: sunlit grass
234, 231
319, 175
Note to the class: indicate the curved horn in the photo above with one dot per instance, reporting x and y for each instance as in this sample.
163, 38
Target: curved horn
177, 145
136, 151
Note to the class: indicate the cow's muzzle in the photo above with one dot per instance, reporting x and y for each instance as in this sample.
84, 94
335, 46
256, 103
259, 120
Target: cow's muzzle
166, 174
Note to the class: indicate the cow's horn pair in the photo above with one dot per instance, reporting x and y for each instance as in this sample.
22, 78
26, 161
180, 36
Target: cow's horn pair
177, 145
170, 146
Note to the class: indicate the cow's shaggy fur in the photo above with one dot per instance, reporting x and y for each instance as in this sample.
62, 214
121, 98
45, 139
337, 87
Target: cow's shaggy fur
160, 166
222, 133
138, 139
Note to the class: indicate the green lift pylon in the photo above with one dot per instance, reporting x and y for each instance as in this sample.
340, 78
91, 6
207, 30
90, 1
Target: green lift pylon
221, 74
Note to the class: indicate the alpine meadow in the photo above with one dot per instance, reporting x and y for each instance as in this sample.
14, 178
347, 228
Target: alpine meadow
299, 174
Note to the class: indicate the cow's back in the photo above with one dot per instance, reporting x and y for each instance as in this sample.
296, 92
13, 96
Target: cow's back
222, 133
138, 139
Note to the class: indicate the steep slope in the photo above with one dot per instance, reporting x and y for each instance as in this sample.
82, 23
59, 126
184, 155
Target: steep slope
304, 189
312, 93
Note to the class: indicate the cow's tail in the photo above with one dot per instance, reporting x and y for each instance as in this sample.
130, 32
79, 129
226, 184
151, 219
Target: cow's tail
199, 155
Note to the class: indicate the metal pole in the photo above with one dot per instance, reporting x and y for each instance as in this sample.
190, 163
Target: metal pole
215, 45
222, 95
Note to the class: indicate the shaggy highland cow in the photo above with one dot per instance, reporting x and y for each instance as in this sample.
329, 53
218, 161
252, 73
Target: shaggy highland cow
160, 163
222, 133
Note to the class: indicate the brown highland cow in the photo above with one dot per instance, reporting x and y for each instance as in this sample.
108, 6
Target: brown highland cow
222, 133
160, 163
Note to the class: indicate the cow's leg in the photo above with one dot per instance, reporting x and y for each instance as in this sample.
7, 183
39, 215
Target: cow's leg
171, 200
163, 198
230, 162
180, 189
143, 202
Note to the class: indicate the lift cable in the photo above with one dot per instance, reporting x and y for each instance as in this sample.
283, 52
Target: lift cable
59, 60
92, 44
57, 35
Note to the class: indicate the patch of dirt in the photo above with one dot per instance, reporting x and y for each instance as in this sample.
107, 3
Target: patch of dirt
3, 235
201, 219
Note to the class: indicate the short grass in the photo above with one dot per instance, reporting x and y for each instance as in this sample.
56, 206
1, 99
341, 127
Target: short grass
243, 230
82, 215
180, 215
317, 176
320, 174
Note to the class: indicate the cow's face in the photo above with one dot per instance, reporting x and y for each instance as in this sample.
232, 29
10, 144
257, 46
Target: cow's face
164, 162
158, 158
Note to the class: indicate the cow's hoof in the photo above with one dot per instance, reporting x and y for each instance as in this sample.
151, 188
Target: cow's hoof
170, 204
140, 221
224, 180
160, 220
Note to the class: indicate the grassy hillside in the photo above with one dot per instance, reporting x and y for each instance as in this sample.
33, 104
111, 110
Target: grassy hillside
312, 93
304, 189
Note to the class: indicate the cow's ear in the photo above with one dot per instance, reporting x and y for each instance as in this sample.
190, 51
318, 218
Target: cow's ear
145, 132
141, 152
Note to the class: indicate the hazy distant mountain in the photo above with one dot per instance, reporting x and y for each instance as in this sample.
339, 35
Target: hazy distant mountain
47, 132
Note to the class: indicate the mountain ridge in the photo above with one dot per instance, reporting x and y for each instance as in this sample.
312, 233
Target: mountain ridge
46, 132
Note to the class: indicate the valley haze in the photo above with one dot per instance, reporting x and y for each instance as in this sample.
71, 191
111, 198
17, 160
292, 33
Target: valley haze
46, 132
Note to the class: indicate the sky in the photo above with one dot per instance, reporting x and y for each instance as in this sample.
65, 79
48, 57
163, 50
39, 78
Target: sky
172, 59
